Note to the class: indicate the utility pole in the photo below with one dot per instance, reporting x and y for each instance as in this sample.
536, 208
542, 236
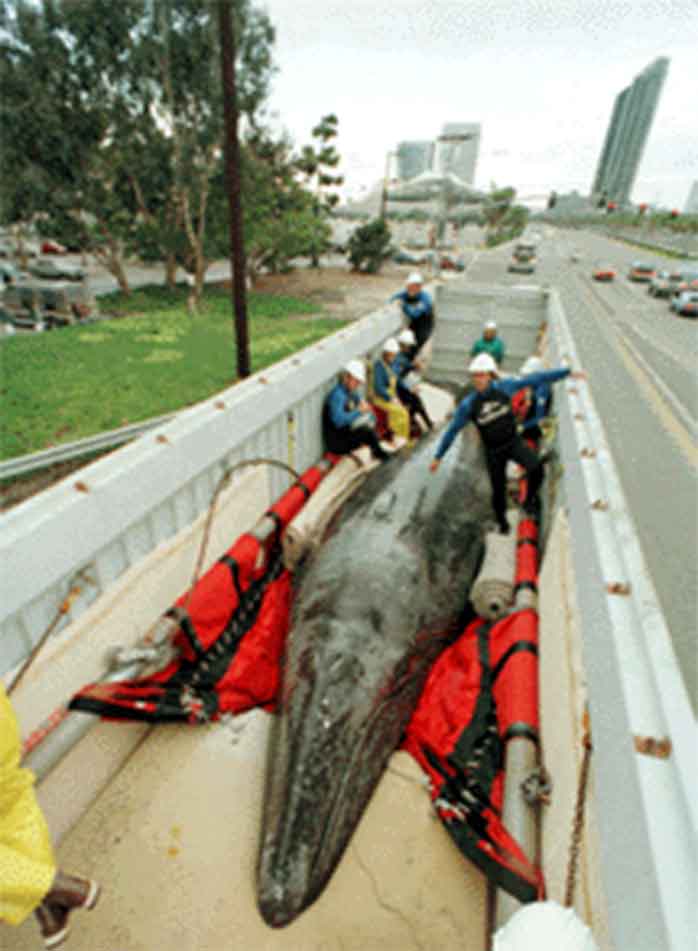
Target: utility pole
232, 179
384, 193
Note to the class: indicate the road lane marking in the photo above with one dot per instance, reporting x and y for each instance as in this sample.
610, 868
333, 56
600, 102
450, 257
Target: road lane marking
647, 383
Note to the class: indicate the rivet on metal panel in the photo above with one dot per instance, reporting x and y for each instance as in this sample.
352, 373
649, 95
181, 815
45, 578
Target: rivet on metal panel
587, 453
81, 487
618, 587
219, 404
579, 416
600, 505
162, 439
651, 746
296, 362
263, 379
572, 389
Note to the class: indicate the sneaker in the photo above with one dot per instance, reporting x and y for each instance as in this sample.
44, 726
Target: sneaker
65, 895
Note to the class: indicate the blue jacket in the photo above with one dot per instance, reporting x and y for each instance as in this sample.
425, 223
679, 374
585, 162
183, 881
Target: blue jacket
340, 402
402, 366
382, 380
415, 308
508, 385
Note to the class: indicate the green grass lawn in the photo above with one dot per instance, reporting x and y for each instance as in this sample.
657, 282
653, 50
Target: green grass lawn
155, 358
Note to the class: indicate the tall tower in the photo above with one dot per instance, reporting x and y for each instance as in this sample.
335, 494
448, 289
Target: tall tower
457, 149
691, 207
633, 112
413, 158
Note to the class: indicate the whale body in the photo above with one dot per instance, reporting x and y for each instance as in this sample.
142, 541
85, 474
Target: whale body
383, 594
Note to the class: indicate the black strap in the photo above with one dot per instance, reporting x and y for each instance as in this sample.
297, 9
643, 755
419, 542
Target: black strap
521, 729
526, 541
234, 572
515, 648
303, 487
185, 622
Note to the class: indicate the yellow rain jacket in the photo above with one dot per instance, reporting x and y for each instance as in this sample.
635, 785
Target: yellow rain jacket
384, 393
27, 865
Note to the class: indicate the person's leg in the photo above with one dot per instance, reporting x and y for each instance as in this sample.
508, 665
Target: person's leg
398, 416
415, 405
497, 468
67, 893
527, 458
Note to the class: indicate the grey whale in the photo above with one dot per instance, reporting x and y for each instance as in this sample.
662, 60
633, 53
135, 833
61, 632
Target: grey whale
373, 608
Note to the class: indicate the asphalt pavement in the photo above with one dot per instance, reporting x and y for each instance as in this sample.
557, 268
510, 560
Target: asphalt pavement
641, 361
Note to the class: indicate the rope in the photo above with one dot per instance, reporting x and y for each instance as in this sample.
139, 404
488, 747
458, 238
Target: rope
578, 822
222, 482
74, 590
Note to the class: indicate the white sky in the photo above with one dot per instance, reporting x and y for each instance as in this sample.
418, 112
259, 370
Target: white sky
540, 76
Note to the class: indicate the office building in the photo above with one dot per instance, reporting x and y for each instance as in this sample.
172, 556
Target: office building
413, 158
692, 201
457, 150
633, 112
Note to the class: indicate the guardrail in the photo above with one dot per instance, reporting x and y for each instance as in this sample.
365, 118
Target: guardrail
643, 729
21, 465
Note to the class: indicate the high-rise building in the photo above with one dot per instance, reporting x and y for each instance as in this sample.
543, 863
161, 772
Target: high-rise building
627, 133
457, 149
413, 158
692, 201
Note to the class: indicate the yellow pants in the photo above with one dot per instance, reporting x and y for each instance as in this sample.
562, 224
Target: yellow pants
27, 865
398, 416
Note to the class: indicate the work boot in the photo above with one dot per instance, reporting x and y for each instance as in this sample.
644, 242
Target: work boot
65, 895
504, 527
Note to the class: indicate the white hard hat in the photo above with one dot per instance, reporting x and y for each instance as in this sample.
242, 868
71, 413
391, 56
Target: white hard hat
414, 278
491, 325
532, 365
356, 369
483, 363
544, 924
391, 345
408, 337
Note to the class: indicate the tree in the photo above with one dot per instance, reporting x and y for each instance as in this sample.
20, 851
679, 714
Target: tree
369, 246
124, 137
314, 163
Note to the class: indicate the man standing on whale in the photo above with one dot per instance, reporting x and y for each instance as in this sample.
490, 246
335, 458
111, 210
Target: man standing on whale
488, 406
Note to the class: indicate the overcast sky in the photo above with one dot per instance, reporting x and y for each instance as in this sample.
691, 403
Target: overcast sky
540, 76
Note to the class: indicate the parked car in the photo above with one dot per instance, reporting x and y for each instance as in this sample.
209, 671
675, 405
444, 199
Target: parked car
37, 305
639, 271
408, 257
9, 274
49, 246
524, 250
685, 304
452, 262
57, 270
664, 283
604, 272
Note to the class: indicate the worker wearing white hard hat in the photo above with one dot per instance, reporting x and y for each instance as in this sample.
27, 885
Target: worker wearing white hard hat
385, 391
539, 403
408, 379
347, 418
417, 310
488, 406
490, 342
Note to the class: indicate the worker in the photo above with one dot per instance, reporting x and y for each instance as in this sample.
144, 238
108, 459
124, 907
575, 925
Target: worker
490, 342
347, 419
488, 406
385, 390
539, 401
29, 879
417, 309
407, 371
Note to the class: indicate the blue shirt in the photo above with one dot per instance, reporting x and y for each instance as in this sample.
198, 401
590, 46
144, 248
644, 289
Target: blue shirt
340, 403
508, 385
415, 308
402, 365
381, 380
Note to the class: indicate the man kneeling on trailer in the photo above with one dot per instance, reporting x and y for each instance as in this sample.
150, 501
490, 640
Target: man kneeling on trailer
347, 420
488, 406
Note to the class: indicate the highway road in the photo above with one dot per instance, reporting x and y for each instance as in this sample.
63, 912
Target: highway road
641, 360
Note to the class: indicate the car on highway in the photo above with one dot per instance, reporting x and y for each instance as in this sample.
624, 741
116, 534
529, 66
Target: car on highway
402, 256
522, 265
688, 282
452, 262
664, 283
604, 272
9, 274
685, 304
57, 270
641, 272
